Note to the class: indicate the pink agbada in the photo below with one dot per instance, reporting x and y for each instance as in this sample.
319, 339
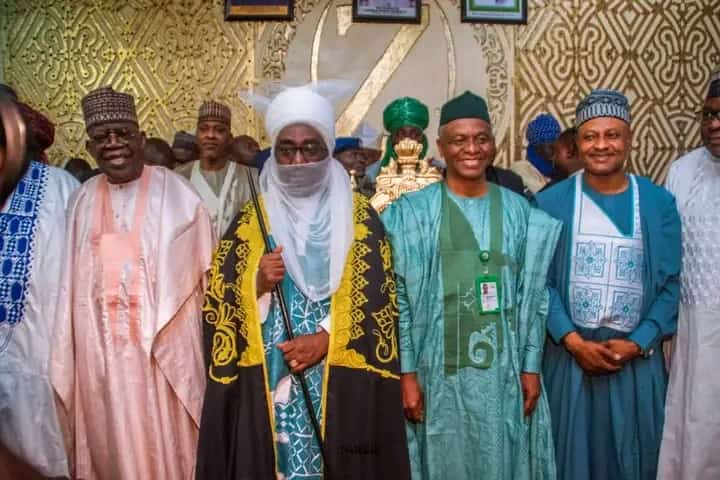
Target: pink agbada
127, 364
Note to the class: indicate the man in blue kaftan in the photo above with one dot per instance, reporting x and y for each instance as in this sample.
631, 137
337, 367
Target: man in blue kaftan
614, 297
471, 260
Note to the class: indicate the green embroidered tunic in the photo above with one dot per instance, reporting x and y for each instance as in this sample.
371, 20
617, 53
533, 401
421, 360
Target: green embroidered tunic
474, 424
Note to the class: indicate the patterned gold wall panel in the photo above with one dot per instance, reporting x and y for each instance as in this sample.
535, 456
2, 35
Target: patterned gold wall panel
170, 55
658, 52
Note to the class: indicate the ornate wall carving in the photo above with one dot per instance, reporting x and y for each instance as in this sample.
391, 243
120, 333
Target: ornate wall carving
173, 54
659, 52
170, 55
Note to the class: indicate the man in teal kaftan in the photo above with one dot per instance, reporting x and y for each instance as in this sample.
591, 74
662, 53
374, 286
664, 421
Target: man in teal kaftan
471, 260
614, 287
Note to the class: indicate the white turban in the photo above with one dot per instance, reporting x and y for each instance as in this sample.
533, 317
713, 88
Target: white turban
301, 105
309, 206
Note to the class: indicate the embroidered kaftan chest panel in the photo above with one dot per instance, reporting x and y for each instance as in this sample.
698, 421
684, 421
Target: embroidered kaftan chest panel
700, 278
606, 289
17, 236
700, 275
606, 277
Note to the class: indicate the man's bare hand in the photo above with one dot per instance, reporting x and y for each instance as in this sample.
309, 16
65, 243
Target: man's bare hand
531, 391
305, 351
627, 349
270, 272
593, 357
412, 397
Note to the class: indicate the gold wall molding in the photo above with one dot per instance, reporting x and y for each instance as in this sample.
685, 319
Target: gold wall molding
280, 35
434, 61
173, 54
396, 52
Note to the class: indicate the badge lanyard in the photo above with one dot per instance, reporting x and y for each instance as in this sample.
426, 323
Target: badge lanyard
488, 289
473, 330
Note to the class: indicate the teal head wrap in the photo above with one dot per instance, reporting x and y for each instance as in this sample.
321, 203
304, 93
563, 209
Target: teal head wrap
404, 112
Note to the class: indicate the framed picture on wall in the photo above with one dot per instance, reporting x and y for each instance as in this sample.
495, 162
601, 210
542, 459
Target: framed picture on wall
259, 10
493, 11
386, 11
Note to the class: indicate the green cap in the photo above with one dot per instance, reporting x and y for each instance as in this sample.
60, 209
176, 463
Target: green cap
467, 105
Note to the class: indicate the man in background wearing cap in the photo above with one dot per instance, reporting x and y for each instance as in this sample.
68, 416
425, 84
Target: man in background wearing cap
184, 147
221, 183
158, 152
566, 161
127, 360
332, 263
356, 159
692, 424
406, 117
471, 260
537, 170
33, 199
614, 293
244, 150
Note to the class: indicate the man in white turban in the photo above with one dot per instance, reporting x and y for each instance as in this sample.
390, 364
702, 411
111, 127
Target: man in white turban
332, 264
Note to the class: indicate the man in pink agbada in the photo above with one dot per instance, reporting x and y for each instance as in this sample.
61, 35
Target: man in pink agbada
127, 361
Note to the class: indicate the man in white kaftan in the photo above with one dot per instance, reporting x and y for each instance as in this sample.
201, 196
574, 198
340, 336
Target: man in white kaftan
33, 199
692, 419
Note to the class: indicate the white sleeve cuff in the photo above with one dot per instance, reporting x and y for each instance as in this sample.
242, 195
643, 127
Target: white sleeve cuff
325, 324
264, 306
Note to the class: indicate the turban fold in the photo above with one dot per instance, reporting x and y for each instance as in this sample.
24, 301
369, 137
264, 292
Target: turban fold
301, 105
404, 112
602, 103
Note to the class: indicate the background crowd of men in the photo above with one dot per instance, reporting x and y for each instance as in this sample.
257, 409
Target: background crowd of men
208, 309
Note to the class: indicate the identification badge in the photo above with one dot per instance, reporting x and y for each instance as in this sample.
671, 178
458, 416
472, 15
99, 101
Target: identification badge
487, 292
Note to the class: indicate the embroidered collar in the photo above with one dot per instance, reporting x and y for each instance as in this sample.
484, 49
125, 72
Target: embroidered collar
17, 235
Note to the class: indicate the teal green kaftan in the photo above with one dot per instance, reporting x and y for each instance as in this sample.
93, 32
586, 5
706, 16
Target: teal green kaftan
474, 426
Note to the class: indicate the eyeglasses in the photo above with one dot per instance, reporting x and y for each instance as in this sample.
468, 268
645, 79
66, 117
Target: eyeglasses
308, 150
707, 116
123, 135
